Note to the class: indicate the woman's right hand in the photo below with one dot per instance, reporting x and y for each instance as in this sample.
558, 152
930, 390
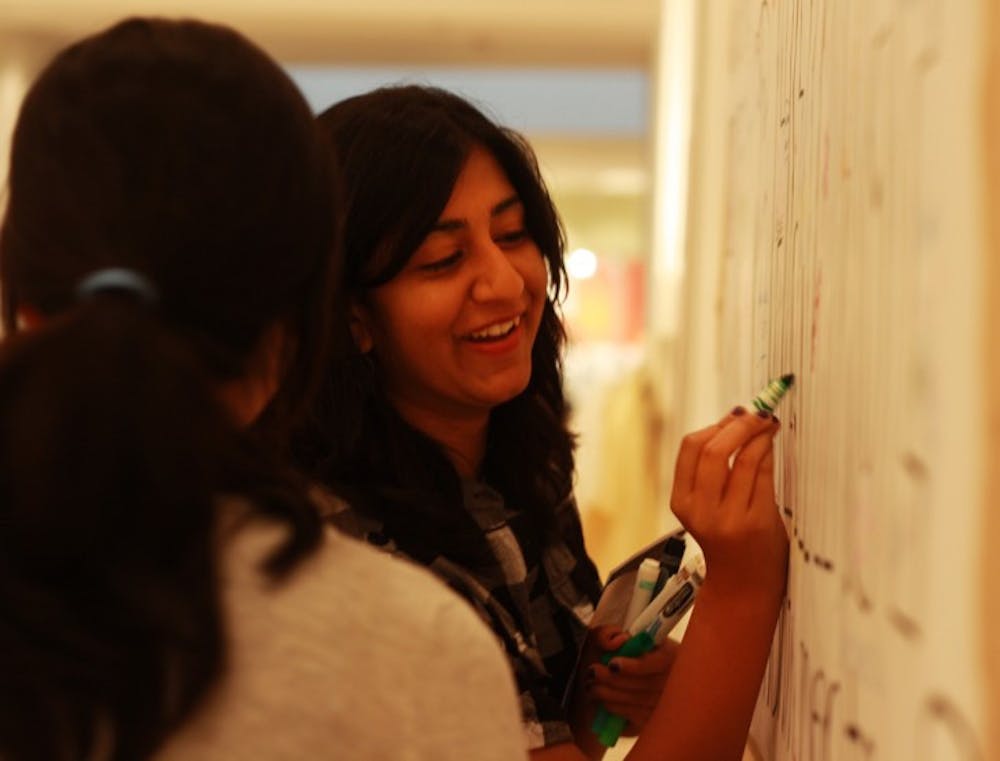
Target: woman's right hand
730, 509
723, 494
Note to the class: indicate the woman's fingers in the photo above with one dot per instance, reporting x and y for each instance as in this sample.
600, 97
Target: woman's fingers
645, 673
740, 485
631, 687
609, 638
628, 683
763, 488
712, 470
653, 663
690, 450
624, 702
687, 461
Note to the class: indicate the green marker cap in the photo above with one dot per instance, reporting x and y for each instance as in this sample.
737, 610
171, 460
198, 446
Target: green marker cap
772, 393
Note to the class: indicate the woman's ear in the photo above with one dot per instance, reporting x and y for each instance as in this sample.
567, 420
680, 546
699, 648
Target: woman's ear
247, 396
360, 328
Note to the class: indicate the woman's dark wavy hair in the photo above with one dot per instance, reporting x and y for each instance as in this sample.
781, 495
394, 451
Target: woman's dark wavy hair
400, 150
180, 151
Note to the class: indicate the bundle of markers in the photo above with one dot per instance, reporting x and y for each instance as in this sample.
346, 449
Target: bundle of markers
664, 591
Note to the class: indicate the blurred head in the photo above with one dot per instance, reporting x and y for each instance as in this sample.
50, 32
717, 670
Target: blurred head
181, 152
169, 238
453, 250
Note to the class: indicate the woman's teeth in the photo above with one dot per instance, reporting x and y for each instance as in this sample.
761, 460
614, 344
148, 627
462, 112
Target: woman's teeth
498, 330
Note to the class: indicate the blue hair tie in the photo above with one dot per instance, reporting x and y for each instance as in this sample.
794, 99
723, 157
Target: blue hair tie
117, 279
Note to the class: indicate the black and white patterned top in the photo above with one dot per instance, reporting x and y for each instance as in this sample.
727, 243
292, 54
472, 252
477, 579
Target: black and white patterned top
538, 599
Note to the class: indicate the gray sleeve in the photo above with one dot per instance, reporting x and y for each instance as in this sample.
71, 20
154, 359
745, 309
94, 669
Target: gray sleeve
471, 704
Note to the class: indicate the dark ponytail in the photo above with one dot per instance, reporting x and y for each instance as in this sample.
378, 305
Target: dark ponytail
111, 455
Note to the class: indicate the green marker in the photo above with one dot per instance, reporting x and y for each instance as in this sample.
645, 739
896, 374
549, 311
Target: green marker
608, 726
771, 394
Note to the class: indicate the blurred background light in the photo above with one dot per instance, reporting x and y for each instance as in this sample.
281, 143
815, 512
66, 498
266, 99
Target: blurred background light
581, 264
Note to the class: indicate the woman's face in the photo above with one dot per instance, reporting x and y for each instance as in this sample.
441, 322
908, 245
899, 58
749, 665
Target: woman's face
453, 330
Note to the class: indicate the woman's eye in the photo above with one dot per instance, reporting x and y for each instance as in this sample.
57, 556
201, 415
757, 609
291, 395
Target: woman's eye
513, 237
439, 265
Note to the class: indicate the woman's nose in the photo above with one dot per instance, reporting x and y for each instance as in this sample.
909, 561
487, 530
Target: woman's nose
497, 277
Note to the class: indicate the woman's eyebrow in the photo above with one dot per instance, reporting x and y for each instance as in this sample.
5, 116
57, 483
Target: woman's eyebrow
450, 225
505, 204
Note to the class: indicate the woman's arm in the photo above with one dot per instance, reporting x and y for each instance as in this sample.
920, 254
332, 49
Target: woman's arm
704, 710
706, 706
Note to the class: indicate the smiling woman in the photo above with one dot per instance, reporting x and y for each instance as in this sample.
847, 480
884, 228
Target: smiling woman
446, 432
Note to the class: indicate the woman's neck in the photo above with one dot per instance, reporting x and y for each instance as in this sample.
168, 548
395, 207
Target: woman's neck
462, 435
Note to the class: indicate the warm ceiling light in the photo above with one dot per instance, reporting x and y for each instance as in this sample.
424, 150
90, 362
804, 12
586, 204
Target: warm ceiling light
581, 264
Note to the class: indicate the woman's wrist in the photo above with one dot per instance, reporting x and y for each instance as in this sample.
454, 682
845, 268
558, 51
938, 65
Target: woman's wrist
749, 601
